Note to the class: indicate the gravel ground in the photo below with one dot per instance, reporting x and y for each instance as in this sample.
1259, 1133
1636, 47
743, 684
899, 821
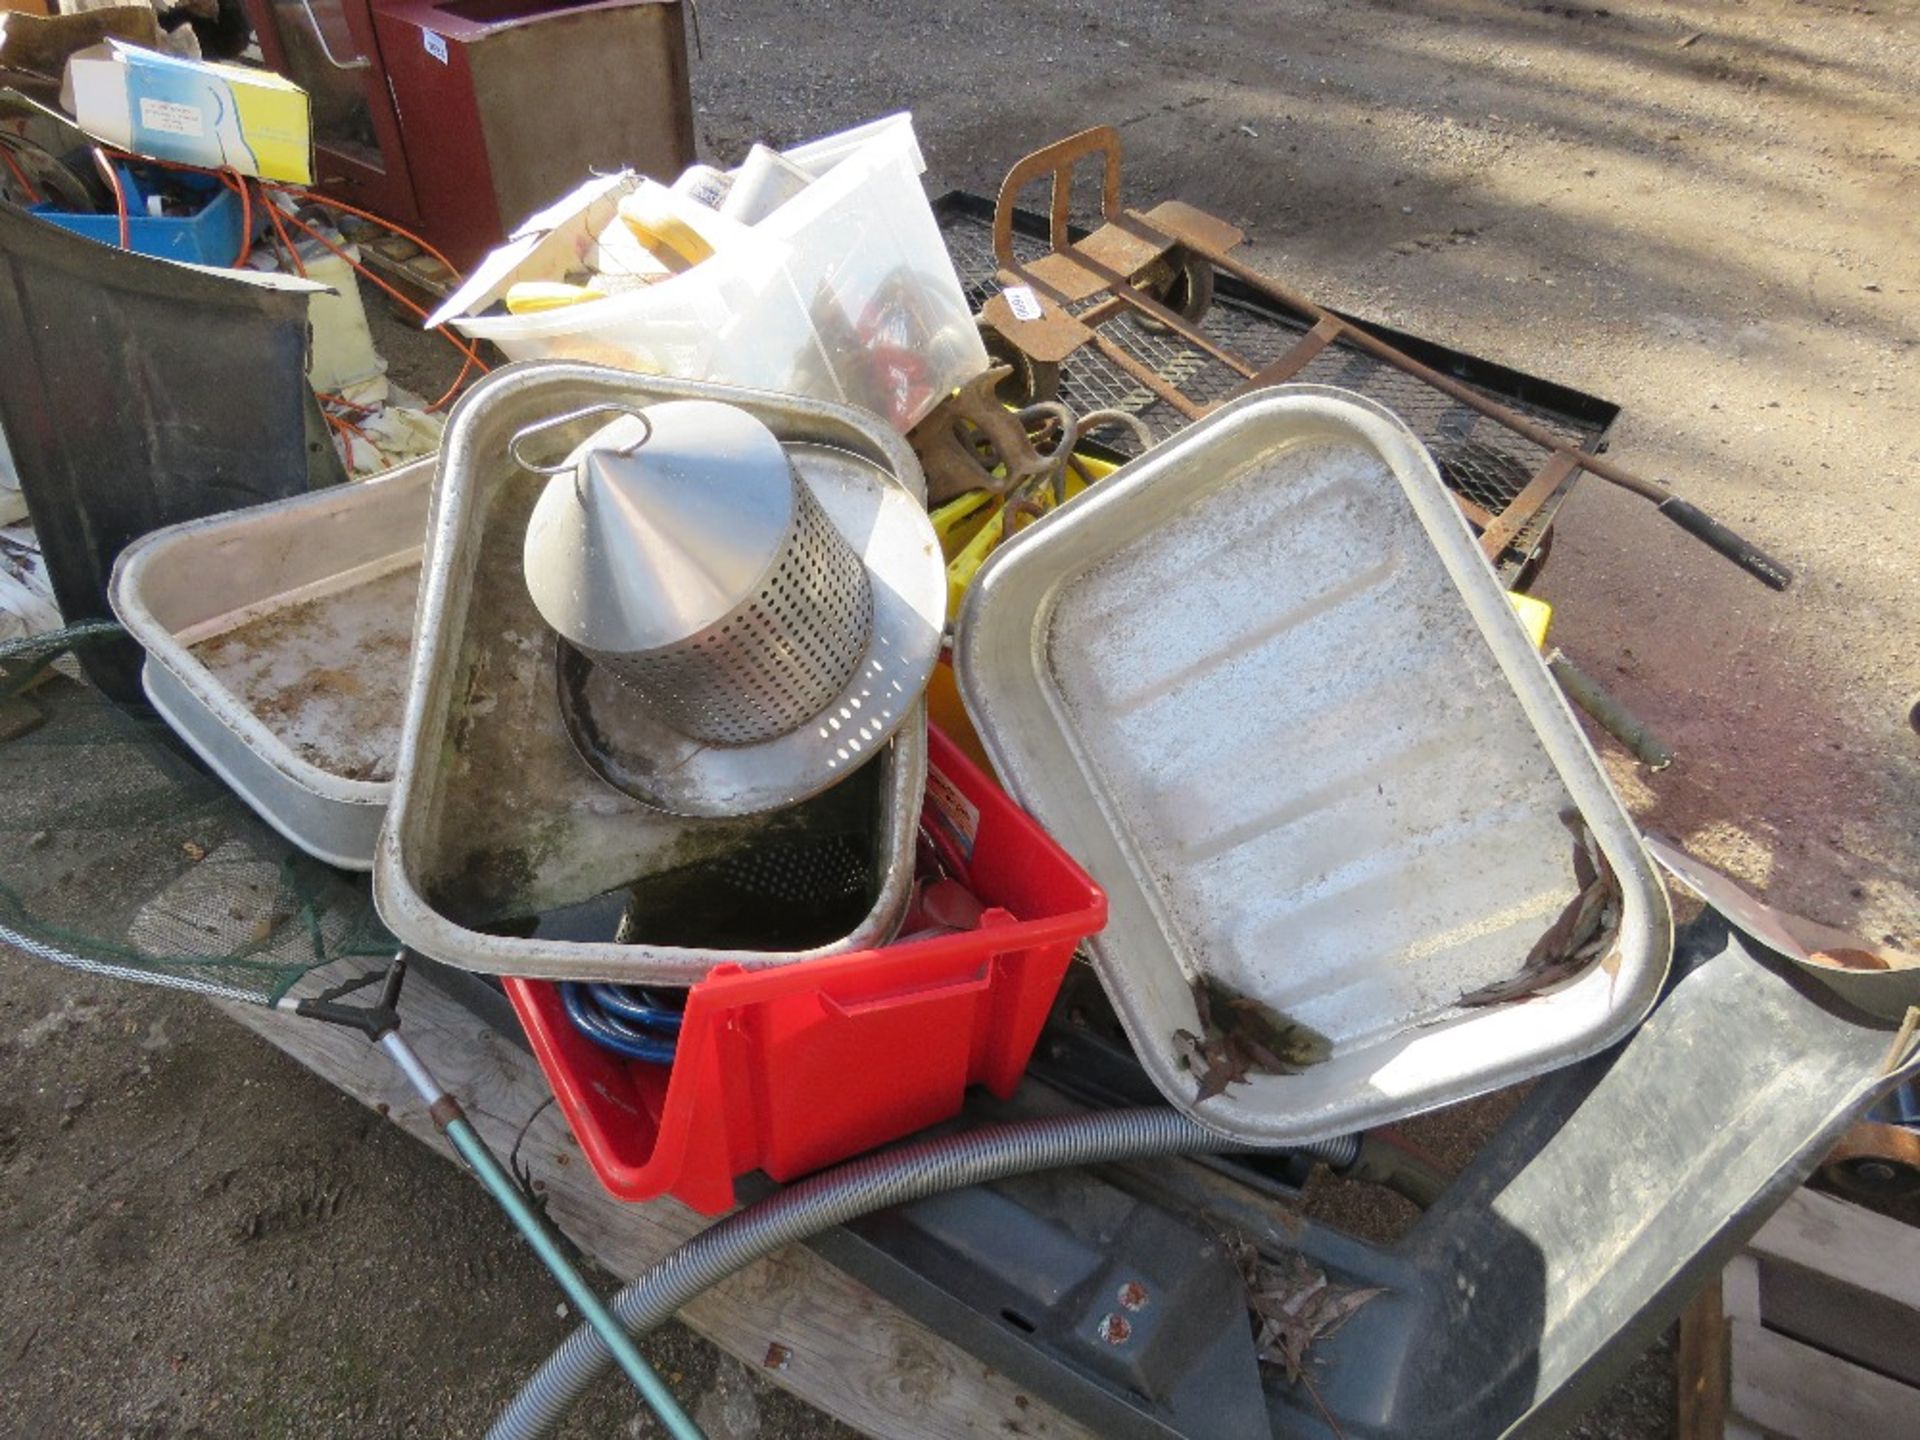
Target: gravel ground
1700, 210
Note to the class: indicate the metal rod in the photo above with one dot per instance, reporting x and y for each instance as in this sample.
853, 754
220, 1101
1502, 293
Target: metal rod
1124, 292
1523, 507
1147, 376
359, 62
1303, 354
1613, 717
1687, 516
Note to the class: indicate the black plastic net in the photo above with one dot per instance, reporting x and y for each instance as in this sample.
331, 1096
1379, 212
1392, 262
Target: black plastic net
120, 854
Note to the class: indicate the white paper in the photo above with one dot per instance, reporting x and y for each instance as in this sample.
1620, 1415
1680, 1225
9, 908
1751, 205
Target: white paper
1021, 300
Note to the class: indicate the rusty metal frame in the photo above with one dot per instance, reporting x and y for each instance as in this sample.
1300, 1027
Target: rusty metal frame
1098, 274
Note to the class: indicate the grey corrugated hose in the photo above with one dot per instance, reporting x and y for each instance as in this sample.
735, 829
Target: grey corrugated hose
893, 1177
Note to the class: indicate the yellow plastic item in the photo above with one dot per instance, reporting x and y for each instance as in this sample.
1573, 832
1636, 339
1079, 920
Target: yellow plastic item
945, 710
972, 526
958, 521
1536, 615
672, 240
527, 297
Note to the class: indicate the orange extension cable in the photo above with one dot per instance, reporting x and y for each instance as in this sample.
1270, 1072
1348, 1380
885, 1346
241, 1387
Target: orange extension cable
19, 175
470, 359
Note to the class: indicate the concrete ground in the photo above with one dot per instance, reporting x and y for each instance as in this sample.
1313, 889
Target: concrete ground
1700, 210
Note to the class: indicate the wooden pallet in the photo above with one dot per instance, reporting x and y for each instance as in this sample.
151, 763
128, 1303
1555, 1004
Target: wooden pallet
1813, 1333
802, 1323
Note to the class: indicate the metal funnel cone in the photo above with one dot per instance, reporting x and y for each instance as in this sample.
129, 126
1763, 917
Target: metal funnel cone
658, 527
678, 550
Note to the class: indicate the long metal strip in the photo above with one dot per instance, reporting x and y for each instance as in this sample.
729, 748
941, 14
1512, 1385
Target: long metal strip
1399, 359
1499, 531
1323, 334
1148, 377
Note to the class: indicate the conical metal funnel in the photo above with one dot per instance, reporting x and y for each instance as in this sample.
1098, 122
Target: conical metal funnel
677, 548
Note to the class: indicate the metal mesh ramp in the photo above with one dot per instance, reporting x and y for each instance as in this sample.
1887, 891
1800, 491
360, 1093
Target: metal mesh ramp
1481, 460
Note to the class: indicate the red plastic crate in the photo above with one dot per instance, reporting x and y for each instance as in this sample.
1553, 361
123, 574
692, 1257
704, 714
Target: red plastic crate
792, 1069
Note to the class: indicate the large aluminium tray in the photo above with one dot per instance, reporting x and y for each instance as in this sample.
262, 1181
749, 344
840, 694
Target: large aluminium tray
1262, 684
276, 643
495, 818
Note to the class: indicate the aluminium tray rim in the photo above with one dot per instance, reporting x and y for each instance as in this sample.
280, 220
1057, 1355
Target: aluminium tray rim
216, 701
1032, 599
155, 679
401, 904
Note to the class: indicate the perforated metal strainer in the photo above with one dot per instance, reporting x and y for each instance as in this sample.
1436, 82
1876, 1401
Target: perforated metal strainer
677, 548
709, 588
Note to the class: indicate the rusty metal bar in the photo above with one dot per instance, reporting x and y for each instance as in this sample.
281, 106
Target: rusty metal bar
1473, 510
1172, 319
1687, 516
1511, 521
1054, 163
1121, 296
1148, 377
1294, 361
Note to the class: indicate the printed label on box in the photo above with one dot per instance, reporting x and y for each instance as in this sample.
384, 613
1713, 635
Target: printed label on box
1022, 301
436, 45
957, 815
171, 118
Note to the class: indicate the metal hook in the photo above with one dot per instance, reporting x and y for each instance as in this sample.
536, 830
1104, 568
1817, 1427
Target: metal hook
513, 445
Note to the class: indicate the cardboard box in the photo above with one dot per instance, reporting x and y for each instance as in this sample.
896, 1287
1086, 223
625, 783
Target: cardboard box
194, 112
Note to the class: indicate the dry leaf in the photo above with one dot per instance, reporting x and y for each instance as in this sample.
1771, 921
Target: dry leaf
1581, 933
1292, 1305
1239, 1036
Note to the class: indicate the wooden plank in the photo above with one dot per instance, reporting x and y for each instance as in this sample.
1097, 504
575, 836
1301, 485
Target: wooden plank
1844, 1279
1787, 1389
1851, 1245
848, 1352
1702, 1365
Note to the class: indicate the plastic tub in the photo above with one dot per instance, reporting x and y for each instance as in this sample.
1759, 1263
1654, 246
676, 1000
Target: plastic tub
210, 236
792, 1069
843, 293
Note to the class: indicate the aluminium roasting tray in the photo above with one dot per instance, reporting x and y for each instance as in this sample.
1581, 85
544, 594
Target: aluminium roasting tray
277, 640
1262, 684
498, 828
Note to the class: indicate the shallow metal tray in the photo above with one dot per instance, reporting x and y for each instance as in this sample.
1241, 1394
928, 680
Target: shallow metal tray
1263, 686
277, 642
495, 818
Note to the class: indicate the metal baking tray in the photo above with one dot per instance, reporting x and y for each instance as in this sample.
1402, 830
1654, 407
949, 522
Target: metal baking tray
277, 640
1262, 684
495, 818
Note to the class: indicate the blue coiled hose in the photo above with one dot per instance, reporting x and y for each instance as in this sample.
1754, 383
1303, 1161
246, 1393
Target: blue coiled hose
638, 1024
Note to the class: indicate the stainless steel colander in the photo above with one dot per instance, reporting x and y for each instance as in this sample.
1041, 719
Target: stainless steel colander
677, 548
744, 621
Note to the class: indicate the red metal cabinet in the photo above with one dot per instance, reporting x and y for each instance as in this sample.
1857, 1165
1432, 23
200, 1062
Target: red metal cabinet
462, 117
